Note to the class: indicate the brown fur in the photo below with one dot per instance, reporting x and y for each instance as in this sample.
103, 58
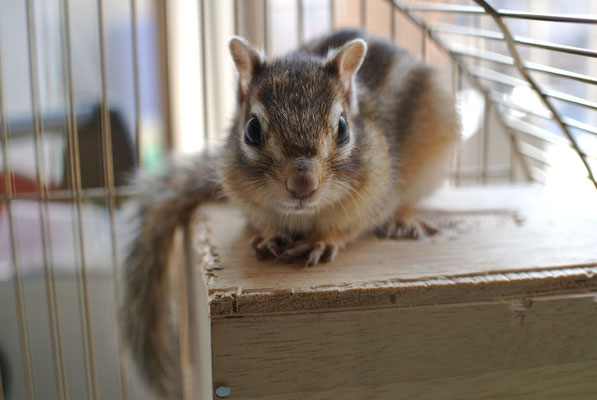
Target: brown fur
402, 126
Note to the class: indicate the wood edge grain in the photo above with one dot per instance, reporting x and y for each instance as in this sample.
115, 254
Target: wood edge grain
230, 302
198, 258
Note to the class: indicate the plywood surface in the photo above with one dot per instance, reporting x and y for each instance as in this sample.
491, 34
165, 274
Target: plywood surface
497, 350
496, 243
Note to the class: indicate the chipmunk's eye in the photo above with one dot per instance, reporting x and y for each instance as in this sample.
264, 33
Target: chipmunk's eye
343, 136
253, 133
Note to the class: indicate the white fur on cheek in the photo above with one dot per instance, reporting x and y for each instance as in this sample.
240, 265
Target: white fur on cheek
335, 113
249, 151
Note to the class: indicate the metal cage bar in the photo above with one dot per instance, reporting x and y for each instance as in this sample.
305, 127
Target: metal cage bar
203, 56
524, 72
451, 8
136, 89
485, 145
266, 45
507, 80
481, 10
81, 276
363, 14
531, 66
108, 168
50, 278
17, 279
428, 32
300, 23
491, 35
549, 17
456, 87
514, 59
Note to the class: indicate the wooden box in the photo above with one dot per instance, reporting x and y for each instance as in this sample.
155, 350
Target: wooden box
501, 304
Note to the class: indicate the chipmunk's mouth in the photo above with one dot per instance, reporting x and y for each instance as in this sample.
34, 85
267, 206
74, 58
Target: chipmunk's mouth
299, 206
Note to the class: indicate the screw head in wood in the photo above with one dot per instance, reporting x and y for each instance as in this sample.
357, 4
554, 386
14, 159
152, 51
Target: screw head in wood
223, 391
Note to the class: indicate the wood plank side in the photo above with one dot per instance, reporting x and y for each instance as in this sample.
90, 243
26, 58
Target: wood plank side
561, 381
504, 350
498, 243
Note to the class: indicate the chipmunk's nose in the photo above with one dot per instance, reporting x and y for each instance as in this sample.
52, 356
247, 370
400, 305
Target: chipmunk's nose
301, 186
302, 177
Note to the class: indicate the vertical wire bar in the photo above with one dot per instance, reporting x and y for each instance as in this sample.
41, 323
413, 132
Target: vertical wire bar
486, 122
393, 24
161, 8
300, 22
1, 387
18, 283
481, 177
136, 79
454, 80
109, 182
236, 18
236, 26
516, 155
513, 152
265, 28
332, 7
457, 84
424, 46
81, 276
50, 279
363, 16
203, 40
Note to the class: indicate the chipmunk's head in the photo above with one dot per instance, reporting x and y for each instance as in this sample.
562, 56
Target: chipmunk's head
294, 140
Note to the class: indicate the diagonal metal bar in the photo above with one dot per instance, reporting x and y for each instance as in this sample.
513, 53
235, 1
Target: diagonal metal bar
519, 64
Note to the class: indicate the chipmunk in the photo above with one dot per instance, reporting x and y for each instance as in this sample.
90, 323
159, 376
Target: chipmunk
333, 141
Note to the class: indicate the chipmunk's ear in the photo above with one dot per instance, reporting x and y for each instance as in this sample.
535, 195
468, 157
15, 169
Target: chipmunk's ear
347, 60
247, 61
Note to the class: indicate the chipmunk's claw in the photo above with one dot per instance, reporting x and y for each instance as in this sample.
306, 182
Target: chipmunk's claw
298, 250
408, 228
272, 246
316, 252
321, 252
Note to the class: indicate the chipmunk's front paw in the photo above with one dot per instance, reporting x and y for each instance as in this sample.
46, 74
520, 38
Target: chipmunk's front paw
316, 252
272, 246
408, 228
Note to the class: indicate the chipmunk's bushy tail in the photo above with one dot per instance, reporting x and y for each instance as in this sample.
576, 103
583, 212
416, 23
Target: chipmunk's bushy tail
166, 202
